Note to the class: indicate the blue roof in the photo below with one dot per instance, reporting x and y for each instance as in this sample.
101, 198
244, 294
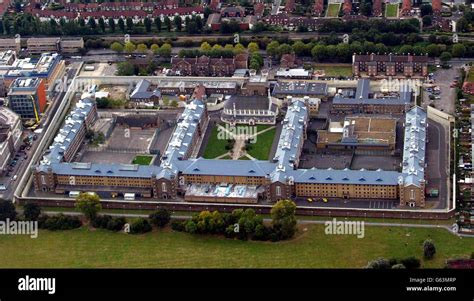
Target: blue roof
414, 147
255, 168
345, 176
112, 170
142, 91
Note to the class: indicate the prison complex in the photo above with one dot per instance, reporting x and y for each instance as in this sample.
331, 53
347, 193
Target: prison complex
180, 174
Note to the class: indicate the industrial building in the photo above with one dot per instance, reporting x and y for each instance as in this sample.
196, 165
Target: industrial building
10, 136
27, 97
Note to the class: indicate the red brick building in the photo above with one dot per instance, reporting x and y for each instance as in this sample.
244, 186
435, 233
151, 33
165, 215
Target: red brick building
406, 8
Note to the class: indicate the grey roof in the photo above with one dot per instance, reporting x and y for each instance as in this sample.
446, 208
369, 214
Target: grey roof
249, 103
182, 138
98, 169
299, 88
292, 133
362, 96
249, 168
66, 135
345, 176
414, 147
142, 91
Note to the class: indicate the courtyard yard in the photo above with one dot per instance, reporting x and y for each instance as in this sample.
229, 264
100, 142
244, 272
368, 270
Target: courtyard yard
333, 10
391, 10
142, 160
335, 70
312, 248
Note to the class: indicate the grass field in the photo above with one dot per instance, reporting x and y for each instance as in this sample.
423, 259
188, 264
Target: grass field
261, 149
335, 70
391, 10
470, 75
84, 248
142, 160
215, 147
333, 10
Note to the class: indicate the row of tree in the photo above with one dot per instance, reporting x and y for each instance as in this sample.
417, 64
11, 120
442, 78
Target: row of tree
130, 47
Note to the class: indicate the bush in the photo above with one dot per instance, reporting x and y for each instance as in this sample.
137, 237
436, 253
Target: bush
59, 222
378, 264
261, 233
31, 211
190, 227
411, 262
140, 225
429, 249
178, 225
109, 223
160, 218
7, 210
398, 266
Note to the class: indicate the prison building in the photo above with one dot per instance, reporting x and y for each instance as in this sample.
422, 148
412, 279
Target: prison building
368, 135
365, 102
249, 110
412, 183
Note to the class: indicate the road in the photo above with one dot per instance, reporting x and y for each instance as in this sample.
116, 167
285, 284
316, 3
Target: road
45, 120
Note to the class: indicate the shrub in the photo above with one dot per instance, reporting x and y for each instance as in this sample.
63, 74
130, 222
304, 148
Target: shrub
178, 225
108, 222
7, 210
191, 227
429, 249
31, 211
160, 218
140, 225
378, 264
398, 266
59, 222
411, 262
261, 233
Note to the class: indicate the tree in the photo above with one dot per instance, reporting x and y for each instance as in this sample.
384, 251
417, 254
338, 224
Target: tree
158, 23
31, 211
165, 50
168, 23
239, 48
142, 48
426, 10
154, 48
7, 210
205, 47
432, 50
102, 24
129, 47
147, 24
88, 204
427, 21
411, 262
429, 249
319, 52
272, 48
445, 57
116, 46
121, 24
111, 23
299, 48
284, 219
91, 23
129, 23
178, 23
458, 50
124, 69
160, 218
284, 49
252, 47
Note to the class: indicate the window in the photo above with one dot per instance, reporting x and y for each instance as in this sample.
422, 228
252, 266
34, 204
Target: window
278, 191
412, 194
163, 187
43, 180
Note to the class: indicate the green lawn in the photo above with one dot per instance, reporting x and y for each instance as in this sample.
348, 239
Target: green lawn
333, 10
261, 149
142, 160
470, 75
215, 147
335, 70
84, 248
391, 10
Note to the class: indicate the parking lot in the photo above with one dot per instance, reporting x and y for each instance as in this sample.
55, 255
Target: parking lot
348, 203
444, 99
107, 157
130, 139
